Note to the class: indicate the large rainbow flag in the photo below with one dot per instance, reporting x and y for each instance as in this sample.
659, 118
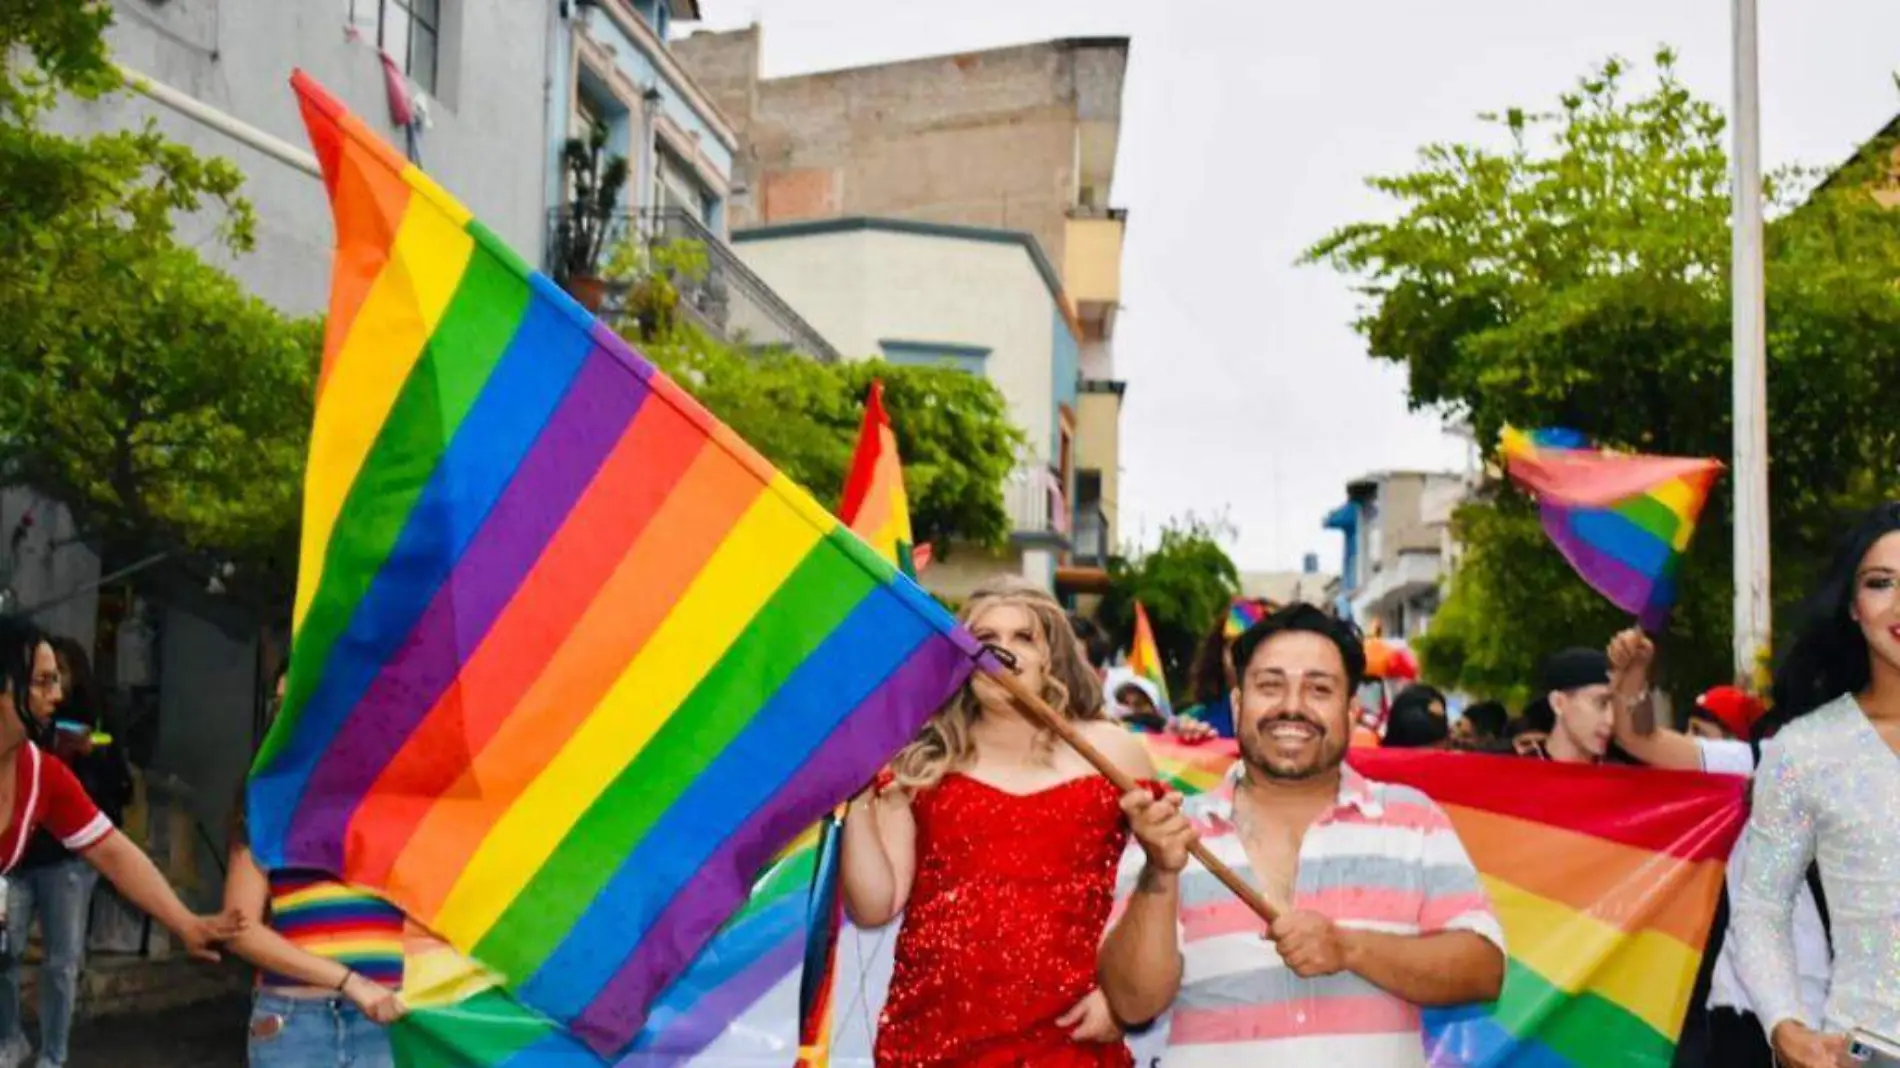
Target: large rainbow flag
1623, 521
572, 662
1605, 880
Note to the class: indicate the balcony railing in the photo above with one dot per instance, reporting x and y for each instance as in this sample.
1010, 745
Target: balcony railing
1038, 509
728, 300
1090, 546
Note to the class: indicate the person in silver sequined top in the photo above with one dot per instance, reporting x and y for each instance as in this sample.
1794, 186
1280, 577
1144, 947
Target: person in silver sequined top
1829, 790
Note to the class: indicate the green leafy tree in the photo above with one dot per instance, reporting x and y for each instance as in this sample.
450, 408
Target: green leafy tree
1185, 582
1574, 273
138, 385
953, 429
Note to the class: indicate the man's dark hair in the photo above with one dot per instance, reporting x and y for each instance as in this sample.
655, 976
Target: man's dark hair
1305, 618
1093, 638
1488, 718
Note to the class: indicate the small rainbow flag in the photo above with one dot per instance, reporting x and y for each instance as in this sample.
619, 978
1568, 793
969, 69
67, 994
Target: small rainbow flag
875, 505
1144, 657
1243, 613
572, 662
1623, 521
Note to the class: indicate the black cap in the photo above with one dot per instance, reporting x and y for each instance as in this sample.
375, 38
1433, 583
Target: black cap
1573, 669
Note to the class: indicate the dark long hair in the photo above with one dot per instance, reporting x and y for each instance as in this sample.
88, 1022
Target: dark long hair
1829, 656
82, 702
20, 638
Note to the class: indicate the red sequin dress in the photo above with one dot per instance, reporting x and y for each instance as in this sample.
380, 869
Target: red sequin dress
1007, 910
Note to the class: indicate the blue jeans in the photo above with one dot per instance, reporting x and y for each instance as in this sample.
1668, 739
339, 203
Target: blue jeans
315, 1033
59, 896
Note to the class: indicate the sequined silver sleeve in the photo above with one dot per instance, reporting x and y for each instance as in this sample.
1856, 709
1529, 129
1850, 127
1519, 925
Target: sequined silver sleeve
1780, 847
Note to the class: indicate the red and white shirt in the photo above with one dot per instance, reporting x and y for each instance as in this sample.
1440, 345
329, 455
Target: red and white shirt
47, 794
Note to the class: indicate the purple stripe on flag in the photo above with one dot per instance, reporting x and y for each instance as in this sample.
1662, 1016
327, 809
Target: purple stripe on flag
555, 473
876, 728
707, 1019
1626, 588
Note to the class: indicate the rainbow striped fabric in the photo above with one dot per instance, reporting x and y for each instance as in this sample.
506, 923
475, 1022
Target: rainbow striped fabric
323, 917
1242, 613
571, 662
1144, 657
1623, 521
875, 505
1605, 880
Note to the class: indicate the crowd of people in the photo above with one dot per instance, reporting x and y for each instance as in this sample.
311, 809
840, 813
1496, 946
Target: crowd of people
995, 846
1380, 913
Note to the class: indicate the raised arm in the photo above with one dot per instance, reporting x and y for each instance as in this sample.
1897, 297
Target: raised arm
1637, 731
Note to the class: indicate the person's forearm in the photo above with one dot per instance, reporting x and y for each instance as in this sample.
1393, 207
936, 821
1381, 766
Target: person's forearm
1449, 968
1139, 968
1658, 747
128, 869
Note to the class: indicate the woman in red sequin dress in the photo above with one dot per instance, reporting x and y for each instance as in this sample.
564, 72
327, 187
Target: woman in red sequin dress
999, 846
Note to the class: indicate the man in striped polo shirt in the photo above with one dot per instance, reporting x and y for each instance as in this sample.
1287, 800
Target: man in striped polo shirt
1386, 914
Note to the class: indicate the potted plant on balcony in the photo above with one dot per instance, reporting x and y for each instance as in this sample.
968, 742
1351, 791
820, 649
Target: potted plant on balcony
595, 179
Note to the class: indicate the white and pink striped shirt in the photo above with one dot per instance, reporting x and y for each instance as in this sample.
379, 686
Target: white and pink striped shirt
1384, 858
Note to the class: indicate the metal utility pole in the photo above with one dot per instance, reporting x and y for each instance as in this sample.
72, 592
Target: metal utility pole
1752, 615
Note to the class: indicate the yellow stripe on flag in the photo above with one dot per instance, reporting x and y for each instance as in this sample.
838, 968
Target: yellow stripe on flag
399, 315
757, 556
1648, 974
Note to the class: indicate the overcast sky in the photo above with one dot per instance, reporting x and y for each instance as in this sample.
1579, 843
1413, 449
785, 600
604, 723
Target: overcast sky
1248, 127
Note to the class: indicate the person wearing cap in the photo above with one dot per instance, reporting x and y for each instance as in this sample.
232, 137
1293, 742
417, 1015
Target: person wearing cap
1721, 740
1576, 682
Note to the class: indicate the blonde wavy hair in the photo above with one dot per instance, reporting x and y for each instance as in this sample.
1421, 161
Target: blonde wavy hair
1069, 685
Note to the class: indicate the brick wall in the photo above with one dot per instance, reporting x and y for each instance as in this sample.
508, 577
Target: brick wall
983, 138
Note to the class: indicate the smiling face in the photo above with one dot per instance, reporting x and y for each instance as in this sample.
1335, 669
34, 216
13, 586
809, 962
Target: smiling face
1293, 707
1012, 628
1877, 600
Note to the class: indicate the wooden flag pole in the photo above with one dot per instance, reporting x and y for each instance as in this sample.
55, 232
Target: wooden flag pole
1065, 730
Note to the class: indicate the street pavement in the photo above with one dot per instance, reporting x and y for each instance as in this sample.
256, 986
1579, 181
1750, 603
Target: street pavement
206, 1035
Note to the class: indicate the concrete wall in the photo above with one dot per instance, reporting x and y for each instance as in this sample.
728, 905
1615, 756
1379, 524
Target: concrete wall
1098, 448
206, 706
47, 566
968, 570
237, 56
990, 138
859, 287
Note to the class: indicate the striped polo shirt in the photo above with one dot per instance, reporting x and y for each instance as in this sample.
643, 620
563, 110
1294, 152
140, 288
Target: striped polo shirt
1384, 858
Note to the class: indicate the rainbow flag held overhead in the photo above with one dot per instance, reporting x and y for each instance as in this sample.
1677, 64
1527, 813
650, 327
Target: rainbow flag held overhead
875, 505
1622, 521
571, 663
1144, 658
1242, 613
